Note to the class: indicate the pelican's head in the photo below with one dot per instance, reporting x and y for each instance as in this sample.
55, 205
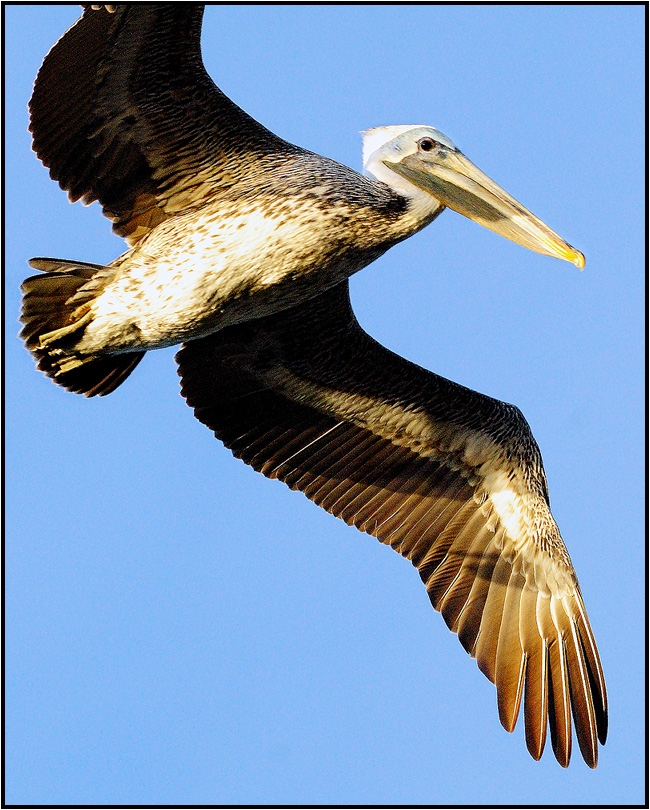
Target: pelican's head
416, 159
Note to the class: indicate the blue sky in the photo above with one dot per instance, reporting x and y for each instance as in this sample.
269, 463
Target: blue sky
181, 630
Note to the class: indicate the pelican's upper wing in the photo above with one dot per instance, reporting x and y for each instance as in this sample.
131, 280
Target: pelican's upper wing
124, 112
451, 479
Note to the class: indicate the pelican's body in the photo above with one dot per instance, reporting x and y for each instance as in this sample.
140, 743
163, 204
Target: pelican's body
241, 245
249, 254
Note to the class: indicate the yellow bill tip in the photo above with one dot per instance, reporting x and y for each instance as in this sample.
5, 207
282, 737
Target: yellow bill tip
578, 259
567, 252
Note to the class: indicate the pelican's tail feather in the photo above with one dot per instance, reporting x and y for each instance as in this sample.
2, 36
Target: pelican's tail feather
55, 313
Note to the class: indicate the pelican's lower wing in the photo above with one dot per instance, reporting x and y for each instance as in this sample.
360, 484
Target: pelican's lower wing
451, 479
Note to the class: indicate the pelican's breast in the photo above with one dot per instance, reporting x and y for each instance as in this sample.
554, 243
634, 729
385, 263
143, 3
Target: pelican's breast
236, 259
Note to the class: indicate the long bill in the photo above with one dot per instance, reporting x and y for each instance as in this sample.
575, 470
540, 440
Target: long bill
463, 187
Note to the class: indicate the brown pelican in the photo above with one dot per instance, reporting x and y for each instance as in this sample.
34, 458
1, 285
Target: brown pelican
240, 246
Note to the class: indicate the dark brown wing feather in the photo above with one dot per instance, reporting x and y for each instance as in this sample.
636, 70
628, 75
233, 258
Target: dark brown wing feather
124, 112
451, 479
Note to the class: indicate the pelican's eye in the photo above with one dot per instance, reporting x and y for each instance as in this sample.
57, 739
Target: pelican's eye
427, 144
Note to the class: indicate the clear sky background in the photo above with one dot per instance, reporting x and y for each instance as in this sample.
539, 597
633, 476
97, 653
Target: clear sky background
181, 630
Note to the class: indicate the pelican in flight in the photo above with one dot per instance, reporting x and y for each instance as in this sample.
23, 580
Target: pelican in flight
240, 246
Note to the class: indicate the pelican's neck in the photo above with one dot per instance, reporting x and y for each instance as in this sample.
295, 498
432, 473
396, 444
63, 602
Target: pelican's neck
422, 207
